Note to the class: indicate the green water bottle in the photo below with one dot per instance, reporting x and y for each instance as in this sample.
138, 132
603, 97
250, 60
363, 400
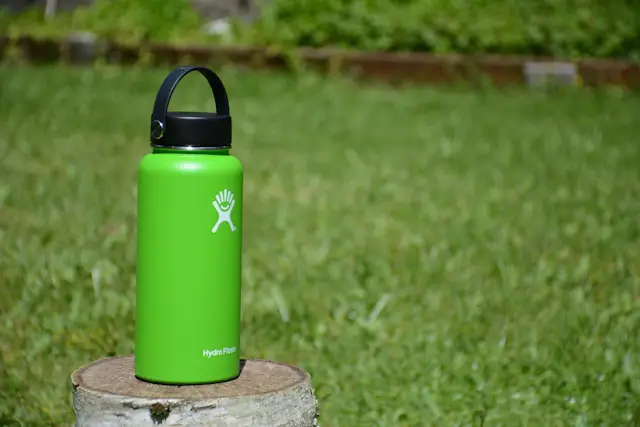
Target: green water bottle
189, 244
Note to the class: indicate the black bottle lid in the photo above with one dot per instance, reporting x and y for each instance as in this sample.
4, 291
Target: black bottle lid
191, 130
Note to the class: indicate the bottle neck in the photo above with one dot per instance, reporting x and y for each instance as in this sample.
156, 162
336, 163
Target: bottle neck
212, 152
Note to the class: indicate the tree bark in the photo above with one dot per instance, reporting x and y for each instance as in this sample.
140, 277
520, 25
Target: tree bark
106, 393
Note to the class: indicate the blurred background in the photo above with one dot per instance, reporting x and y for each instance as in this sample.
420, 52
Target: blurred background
455, 254
557, 28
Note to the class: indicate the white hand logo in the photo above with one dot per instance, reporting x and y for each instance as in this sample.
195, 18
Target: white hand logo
224, 203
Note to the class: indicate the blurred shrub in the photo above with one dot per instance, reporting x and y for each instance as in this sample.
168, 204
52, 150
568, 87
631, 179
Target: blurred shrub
127, 21
564, 28
597, 28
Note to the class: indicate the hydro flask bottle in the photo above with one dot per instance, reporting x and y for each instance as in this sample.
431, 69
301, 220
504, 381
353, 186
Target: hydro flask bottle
189, 244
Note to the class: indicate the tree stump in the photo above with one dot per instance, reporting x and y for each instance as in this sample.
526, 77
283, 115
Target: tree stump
106, 393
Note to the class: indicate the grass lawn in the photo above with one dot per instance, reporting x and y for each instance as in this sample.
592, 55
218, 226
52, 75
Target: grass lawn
430, 256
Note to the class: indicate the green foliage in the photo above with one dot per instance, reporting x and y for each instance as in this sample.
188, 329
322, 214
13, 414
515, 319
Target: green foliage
140, 19
600, 28
562, 28
125, 21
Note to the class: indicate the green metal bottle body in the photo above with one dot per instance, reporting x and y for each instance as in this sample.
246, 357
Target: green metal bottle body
189, 258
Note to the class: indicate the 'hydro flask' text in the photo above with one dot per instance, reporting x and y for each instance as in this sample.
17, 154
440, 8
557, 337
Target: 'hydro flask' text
218, 352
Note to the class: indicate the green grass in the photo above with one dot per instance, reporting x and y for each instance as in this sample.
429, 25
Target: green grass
430, 256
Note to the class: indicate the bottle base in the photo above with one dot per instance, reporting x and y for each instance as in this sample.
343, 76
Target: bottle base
179, 383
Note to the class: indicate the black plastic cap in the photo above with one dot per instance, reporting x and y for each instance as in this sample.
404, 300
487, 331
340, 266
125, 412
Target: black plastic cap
191, 130
201, 130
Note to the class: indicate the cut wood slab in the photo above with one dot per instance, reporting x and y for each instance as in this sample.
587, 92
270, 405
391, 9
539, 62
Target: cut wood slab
106, 393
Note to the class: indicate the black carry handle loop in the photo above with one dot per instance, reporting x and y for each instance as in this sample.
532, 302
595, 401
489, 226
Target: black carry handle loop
161, 106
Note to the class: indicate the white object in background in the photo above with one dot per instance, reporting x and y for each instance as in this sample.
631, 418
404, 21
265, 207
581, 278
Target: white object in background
218, 26
556, 73
50, 8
